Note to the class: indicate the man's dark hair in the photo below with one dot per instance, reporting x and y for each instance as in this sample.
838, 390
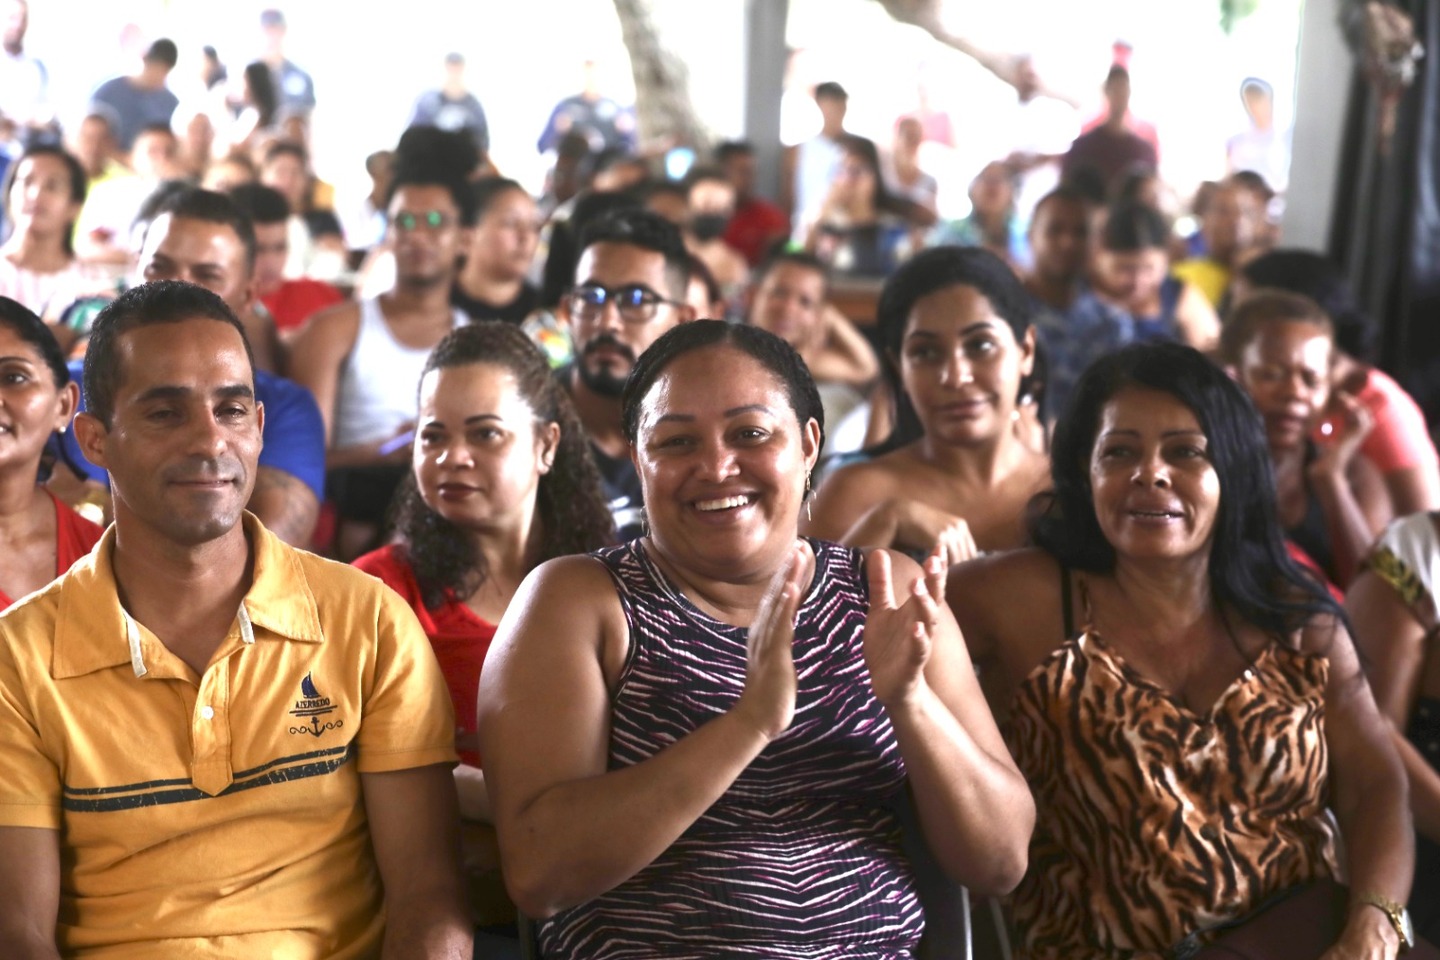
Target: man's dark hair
262, 204
733, 148
159, 129
162, 51
207, 206
160, 301
1132, 227
701, 174
287, 148
430, 157
1117, 72
798, 258
648, 231
1065, 193
1254, 182
830, 90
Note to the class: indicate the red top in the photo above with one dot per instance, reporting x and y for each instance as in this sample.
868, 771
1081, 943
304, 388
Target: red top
756, 226
74, 536
458, 636
295, 300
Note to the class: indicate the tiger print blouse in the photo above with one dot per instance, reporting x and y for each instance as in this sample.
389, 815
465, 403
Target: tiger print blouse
1152, 821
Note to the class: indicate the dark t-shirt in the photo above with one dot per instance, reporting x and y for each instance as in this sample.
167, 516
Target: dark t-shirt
618, 481
513, 312
1111, 155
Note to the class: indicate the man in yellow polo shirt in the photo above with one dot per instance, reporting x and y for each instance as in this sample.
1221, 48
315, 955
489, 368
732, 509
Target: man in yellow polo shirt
212, 744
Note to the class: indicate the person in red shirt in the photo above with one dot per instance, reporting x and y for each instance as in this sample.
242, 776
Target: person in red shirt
289, 302
757, 224
39, 535
502, 480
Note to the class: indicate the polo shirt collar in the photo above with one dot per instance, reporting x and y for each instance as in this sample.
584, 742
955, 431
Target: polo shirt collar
93, 632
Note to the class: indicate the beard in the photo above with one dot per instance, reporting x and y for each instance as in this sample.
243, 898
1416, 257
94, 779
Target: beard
604, 380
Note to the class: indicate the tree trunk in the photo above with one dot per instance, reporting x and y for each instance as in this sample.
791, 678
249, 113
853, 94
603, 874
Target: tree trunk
663, 108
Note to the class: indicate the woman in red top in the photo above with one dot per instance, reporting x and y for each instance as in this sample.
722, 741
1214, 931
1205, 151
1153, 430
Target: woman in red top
39, 536
502, 481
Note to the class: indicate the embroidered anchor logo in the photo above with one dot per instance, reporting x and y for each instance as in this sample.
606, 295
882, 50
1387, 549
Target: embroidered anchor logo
314, 705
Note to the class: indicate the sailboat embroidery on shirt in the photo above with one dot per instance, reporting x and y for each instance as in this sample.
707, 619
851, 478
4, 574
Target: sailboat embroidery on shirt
313, 705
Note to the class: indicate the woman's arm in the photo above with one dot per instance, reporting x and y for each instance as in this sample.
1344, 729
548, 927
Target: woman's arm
974, 806
1368, 794
1196, 319
843, 354
853, 507
568, 829
1391, 645
1350, 491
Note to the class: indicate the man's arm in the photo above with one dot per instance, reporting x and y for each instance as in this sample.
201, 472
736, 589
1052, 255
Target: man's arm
414, 828
286, 506
29, 892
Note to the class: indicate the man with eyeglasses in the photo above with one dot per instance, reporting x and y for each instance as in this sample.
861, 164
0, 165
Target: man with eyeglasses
629, 288
363, 360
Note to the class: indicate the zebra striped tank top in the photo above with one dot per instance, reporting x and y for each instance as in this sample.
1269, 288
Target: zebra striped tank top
801, 857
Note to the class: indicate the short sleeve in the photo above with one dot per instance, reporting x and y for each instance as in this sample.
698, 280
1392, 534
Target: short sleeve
1399, 440
407, 719
30, 788
294, 431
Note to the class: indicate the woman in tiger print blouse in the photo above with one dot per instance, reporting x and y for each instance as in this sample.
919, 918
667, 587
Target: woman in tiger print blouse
1184, 701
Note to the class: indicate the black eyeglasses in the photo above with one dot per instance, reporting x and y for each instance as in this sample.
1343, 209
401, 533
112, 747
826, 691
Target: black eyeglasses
406, 221
636, 304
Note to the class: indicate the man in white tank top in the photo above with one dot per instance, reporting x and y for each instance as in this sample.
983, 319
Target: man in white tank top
363, 360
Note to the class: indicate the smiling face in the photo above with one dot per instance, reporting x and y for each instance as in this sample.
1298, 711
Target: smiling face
1286, 370
1155, 488
961, 366
479, 453
32, 407
723, 462
789, 302
184, 440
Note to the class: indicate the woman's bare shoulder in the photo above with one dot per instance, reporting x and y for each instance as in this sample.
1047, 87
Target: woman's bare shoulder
1001, 592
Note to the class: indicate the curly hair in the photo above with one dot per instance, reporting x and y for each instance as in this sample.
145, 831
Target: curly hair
573, 514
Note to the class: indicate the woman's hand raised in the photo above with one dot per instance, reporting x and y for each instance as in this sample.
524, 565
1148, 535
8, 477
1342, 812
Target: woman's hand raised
899, 634
768, 700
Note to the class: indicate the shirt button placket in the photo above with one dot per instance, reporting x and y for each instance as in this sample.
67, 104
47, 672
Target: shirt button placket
210, 732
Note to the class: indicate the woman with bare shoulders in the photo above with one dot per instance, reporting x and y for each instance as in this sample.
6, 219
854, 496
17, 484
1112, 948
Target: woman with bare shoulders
695, 741
1183, 699
955, 327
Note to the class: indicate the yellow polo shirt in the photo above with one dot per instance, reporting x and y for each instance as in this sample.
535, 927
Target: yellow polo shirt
217, 815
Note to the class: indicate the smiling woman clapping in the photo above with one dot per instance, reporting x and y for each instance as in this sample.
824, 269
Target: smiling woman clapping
696, 738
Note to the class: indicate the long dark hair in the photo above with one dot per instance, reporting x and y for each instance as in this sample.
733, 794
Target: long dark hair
1250, 570
572, 511
74, 172
923, 274
261, 85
